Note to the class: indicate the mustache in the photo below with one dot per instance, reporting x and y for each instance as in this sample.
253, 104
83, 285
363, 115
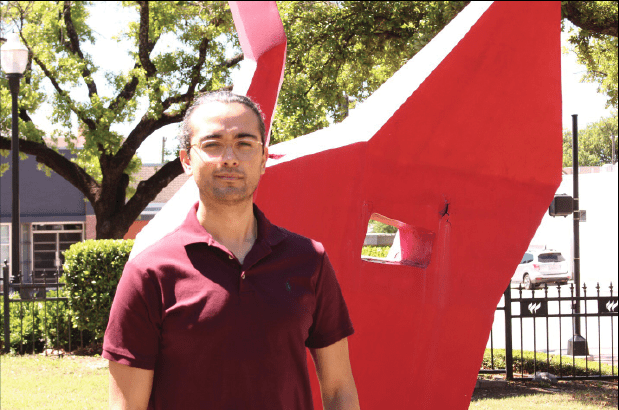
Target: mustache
229, 171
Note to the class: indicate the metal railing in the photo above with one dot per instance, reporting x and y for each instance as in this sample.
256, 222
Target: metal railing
39, 313
550, 319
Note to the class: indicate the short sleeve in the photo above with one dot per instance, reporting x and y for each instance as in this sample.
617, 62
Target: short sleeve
133, 330
331, 319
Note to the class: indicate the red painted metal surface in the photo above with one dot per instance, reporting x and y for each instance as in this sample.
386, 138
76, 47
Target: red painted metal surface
263, 41
467, 165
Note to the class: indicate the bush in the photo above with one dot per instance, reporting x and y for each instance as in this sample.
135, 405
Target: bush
379, 227
92, 270
375, 251
37, 323
556, 365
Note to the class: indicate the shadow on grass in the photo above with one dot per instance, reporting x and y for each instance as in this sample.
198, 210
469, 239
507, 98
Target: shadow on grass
586, 392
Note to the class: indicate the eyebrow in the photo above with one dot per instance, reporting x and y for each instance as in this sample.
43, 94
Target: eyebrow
237, 136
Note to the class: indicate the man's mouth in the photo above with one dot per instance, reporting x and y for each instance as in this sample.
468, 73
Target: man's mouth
229, 176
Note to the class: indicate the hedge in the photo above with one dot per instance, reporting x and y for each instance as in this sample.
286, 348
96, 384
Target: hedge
92, 270
554, 364
375, 251
36, 324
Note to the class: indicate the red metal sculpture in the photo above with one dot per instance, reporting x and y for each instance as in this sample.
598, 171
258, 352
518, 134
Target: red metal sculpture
464, 153
461, 150
263, 42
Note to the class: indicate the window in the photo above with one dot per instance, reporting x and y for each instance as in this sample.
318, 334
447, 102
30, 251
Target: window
550, 257
411, 246
49, 241
527, 258
5, 243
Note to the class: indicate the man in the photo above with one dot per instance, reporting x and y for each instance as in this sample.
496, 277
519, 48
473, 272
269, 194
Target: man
217, 315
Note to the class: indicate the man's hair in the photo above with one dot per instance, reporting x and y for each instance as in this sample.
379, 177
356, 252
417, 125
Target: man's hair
225, 97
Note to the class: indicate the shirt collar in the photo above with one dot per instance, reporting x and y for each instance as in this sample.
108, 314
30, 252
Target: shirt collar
193, 232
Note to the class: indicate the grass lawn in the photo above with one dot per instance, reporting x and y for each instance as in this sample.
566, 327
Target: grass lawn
81, 382
40, 382
565, 395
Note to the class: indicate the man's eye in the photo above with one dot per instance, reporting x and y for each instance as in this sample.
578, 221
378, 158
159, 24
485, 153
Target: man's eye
210, 145
245, 144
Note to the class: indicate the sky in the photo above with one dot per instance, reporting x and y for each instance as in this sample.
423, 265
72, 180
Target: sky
578, 97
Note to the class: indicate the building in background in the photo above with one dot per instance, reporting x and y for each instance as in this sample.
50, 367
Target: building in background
164, 196
54, 215
52, 218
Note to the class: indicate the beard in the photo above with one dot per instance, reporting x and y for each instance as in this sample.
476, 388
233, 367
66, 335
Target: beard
232, 195
222, 192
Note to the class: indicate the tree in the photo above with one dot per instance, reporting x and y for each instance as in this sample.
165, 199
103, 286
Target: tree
338, 54
595, 42
55, 33
594, 143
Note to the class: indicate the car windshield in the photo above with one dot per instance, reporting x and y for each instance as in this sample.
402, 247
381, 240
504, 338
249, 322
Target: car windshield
550, 257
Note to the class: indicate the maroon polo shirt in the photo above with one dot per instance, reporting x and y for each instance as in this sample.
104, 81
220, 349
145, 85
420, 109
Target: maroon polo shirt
224, 335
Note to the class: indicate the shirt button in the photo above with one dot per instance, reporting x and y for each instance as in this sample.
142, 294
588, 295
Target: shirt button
243, 275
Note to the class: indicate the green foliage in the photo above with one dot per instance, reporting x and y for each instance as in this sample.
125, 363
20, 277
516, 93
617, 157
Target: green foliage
92, 271
558, 365
595, 50
599, 55
594, 143
379, 227
36, 324
339, 53
89, 103
375, 251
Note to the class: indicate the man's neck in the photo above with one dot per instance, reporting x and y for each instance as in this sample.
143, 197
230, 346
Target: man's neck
234, 226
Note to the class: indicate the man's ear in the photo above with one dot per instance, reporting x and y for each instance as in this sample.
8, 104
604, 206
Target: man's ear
265, 156
186, 162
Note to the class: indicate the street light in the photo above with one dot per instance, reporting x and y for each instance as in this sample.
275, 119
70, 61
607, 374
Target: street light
14, 58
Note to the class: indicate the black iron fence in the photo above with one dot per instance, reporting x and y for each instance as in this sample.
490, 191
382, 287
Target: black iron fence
568, 335
39, 317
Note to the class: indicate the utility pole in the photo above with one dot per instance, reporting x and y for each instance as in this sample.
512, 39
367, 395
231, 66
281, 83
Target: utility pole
577, 345
612, 151
162, 150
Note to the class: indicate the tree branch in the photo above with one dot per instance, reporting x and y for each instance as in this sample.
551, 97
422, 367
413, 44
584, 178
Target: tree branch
144, 45
24, 115
67, 169
144, 129
74, 47
126, 94
605, 24
89, 123
232, 61
148, 190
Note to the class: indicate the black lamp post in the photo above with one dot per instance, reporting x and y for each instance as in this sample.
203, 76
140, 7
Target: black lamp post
577, 345
14, 58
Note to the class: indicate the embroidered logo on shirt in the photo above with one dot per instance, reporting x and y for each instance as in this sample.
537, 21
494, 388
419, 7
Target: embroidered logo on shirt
288, 287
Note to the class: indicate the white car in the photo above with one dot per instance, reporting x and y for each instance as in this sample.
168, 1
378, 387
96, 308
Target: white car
540, 266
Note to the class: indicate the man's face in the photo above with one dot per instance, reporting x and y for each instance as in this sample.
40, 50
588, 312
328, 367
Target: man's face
227, 179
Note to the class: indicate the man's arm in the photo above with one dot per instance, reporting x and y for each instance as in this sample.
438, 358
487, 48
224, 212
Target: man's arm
129, 387
337, 385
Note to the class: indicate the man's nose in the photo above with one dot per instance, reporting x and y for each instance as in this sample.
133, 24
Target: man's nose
229, 156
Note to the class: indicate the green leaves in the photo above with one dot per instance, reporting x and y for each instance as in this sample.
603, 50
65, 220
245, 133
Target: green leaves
92, 270
339, 53
595, 42
594, 143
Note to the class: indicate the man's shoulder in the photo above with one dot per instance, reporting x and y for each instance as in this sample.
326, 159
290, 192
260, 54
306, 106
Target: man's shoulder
162, 251
299, 242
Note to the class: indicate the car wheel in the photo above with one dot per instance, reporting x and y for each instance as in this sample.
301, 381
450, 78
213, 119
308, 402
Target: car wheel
527, 282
